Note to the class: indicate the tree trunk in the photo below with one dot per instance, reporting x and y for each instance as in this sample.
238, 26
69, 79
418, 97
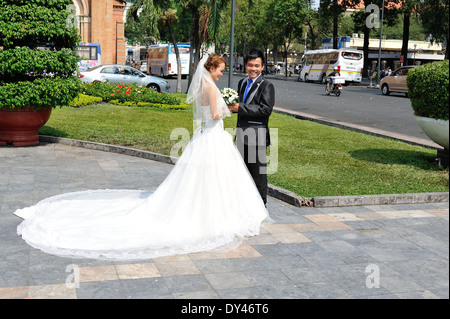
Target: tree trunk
406, 23
177, 53
366, 43
312, 35
335, 25
446, 50
366, 51
194, 44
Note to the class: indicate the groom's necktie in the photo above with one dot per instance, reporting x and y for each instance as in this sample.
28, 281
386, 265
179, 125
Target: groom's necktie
249, 84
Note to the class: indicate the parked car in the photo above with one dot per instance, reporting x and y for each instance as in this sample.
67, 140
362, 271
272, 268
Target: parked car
117, 73
396, 82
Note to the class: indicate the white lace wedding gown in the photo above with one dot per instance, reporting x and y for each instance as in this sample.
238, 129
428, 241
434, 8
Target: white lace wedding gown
208, 200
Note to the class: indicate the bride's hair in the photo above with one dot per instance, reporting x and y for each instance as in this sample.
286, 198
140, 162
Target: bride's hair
214, 60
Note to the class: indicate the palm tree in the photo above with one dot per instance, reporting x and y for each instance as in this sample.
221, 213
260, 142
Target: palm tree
160, 13
205, 23
206, 19
168, 19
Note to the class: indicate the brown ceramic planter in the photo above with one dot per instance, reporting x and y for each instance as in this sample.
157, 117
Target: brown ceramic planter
19, 127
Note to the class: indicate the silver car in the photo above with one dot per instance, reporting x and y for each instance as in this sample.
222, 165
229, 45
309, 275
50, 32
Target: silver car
116, 73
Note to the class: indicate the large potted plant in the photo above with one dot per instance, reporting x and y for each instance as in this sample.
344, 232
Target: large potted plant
38, 65
429, 92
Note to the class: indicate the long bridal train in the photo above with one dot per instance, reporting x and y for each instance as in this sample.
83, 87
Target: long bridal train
208, 200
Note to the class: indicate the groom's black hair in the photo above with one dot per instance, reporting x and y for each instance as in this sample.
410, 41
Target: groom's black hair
254, 54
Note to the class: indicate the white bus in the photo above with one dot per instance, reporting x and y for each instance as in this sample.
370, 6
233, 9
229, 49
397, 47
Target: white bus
90, 54
317, 64
162, 60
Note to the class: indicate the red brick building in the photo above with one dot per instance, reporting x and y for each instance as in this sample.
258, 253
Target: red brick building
101, 21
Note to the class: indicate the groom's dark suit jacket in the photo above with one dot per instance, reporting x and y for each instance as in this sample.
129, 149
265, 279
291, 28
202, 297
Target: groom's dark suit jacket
254, 113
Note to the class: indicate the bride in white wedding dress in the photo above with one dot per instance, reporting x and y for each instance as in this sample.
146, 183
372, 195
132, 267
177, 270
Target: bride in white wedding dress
208, 200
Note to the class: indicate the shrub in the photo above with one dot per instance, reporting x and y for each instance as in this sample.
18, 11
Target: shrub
181, 106
428, 90
128, 93
83, 100
37, 59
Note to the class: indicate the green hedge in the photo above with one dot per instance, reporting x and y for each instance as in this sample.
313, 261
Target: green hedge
16, 63
37, 54
428, 90
83, 100
35, 24
181, 106
40, 93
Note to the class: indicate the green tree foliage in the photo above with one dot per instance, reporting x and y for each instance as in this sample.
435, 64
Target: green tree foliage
37, 55
428, 87
435, 20
289, 16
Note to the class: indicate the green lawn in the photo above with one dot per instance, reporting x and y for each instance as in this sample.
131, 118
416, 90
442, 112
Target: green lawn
313, 159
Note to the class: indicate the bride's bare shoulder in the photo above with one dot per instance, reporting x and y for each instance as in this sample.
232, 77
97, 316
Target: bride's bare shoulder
208, 86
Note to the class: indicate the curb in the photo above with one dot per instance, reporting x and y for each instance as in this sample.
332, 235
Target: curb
359, 128
274, 191
108, 148
386, 199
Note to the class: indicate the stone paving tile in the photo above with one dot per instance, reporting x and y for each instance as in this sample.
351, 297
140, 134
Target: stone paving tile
324, 290
14, 292
284, 292
305, 274
306, 253
269, 279
146, 288
101, 290
228, 280
214, 266
287, 238
327, 222
137, 271
306, 227
98, 273
60, 291
187, 284
243, 252
242, 293
177, 268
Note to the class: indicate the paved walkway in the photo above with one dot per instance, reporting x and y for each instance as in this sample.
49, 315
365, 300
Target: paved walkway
387, 251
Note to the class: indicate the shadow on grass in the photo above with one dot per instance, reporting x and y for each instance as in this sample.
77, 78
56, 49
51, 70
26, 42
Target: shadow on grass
50, 131
398, 157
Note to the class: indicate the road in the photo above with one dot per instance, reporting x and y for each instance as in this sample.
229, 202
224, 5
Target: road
359, 105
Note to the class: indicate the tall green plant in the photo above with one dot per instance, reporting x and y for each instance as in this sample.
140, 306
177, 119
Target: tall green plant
428, 87
37, 54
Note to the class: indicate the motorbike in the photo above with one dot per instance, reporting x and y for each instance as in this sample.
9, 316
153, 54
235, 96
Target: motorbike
336, 85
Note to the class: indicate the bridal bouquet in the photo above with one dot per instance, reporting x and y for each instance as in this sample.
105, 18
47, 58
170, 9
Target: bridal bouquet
230, 96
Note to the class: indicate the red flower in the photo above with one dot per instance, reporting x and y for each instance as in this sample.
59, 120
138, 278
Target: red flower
112, 94
119, 86
127, 93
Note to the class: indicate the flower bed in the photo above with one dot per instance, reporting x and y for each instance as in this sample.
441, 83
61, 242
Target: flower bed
128, 93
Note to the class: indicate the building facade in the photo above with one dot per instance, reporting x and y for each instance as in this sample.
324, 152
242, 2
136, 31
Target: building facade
101, 21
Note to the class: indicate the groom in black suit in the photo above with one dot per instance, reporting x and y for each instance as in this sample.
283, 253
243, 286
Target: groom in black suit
256, 101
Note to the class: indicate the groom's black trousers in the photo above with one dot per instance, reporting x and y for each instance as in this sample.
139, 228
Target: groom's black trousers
255, 158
